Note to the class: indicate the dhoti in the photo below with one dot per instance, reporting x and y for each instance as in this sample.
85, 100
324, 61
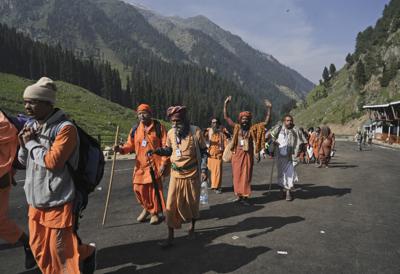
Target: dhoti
215, 168
287, 175
183, 201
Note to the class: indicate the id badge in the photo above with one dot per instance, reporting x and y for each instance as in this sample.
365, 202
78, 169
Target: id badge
241, 142
178, 153
144, 143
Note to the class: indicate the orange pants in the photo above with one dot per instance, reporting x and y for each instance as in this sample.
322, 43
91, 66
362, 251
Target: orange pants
56, 250
215, 168
9, 231
146, 196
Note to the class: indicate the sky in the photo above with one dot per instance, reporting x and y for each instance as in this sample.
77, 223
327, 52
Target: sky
305, 35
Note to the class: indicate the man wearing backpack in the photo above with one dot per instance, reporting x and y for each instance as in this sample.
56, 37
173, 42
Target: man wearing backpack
9, 231
149, 134
188, 151
49, 187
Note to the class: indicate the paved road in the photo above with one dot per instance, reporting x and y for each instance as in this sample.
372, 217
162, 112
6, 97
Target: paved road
344, 219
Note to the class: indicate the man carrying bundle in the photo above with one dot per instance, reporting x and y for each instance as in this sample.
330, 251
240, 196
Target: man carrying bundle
287, 139
150, 134
248, 140
188, 154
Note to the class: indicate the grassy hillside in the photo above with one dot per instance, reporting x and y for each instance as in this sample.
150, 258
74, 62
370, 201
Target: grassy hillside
370, 76
93, 113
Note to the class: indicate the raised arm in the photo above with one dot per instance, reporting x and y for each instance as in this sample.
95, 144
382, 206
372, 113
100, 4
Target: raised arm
226, 117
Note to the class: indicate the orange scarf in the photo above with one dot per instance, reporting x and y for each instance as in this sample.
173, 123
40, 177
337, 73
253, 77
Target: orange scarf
8, 144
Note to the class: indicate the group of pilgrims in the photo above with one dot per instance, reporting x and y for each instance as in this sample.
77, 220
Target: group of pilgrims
185, 153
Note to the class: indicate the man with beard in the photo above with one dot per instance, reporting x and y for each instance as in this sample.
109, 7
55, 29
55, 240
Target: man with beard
188, 155
49, 188
287, 140
149, 134
248, 140
217, 141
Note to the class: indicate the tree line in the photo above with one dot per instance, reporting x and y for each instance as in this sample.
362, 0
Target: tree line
152, 81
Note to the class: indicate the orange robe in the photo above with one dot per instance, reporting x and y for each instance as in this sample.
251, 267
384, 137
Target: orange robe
243, 156
9, 231
184, 187
217, 143
315, 143
146, 139
51, 237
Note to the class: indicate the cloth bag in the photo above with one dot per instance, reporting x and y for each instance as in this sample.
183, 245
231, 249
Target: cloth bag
227, 155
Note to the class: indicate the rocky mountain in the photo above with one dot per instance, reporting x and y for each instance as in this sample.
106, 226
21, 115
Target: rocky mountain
122, 34
370, 76
183, 32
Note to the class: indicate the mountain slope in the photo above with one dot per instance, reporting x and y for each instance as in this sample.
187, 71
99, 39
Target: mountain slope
371, 76
93, 113
116, 31
181, 31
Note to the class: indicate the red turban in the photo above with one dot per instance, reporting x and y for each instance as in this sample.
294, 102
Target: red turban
176, 112
245, 114
144, 107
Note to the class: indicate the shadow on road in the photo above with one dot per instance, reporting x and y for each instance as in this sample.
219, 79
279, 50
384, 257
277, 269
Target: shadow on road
194, 256
311, 191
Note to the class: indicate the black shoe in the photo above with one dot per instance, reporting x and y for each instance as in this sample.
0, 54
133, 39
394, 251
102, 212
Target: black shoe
89, 264
29, 259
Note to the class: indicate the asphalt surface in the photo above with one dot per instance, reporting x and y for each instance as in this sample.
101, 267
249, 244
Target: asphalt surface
344, 219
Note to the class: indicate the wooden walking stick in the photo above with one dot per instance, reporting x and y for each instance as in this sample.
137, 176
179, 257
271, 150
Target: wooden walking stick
272, 170
111, 177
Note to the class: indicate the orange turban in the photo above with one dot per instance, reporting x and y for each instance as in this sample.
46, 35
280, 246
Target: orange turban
245, 114
144, 107
176, 111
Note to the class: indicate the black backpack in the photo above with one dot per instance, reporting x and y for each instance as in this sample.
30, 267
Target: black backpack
90, 168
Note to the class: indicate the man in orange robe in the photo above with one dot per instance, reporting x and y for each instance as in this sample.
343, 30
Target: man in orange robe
9, 231
248, 140
188, 154
149, 135
217, 141
314, 142
49, 188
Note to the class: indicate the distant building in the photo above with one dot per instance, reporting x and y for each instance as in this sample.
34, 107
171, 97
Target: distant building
385, 121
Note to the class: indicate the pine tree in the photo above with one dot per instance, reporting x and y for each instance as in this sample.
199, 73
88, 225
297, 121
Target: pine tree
325, 75
332, 70
349, 59
360, 75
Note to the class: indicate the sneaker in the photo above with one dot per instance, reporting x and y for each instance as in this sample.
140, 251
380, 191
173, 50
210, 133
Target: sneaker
154, 219
29, 259
142, 217
89, 264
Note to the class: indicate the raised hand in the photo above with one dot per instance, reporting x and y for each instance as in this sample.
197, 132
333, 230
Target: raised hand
268, 103
228, 99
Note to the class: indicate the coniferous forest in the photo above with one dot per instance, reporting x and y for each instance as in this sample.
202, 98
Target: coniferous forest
151, 80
